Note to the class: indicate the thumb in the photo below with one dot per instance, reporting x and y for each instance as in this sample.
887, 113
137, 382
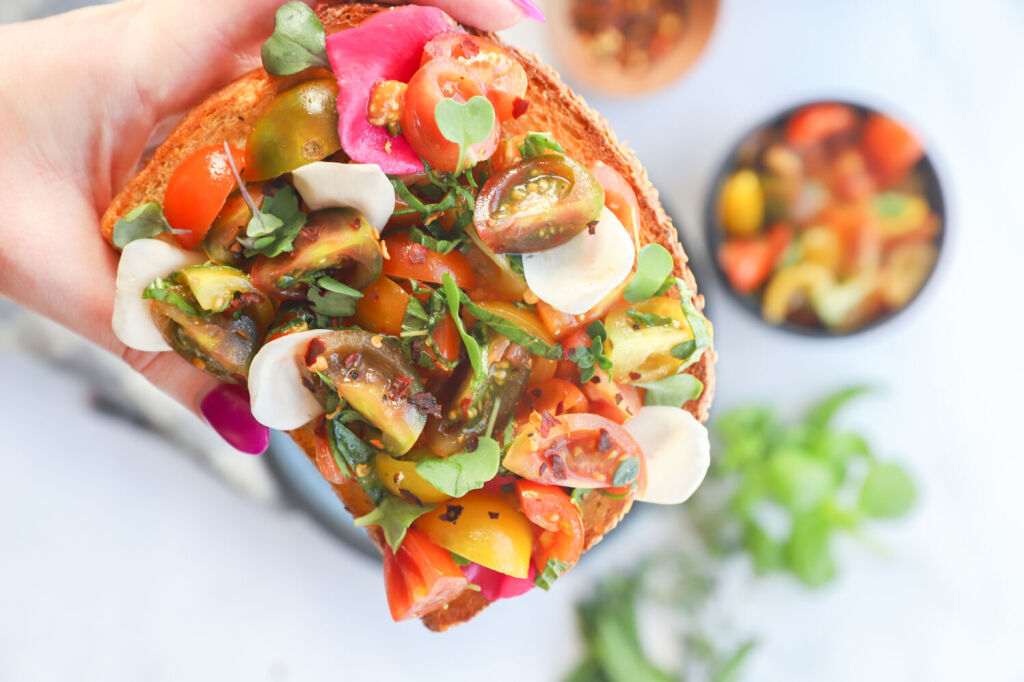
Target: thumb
225, 407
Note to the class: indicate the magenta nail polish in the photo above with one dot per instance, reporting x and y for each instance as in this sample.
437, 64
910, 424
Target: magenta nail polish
226, 409
530, 10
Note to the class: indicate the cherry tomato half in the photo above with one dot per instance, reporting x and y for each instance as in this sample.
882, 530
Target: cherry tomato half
557, 396
748, 262
891, 149
574, 450
818, 122
558, 521
420, 577
382, 308
197, 191
612, 400
502, 75
536, 204
436, 80
325, 462
409, 260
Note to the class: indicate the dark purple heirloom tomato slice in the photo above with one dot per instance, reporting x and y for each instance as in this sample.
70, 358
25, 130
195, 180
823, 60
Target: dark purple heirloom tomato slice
536, 204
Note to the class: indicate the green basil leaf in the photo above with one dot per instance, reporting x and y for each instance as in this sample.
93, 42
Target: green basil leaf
513, 332
460, 560
354, 452
698, 325
672, 390
332, 298
821, 414
515, 263
648, 319
684, 350
456, 475
274, 225
653, 266
626, 473
163, 291
553, 570
418, 236
538, 144
807, 551
888, 491
394, 516
299, 41
143, 222
476, 352
465, 124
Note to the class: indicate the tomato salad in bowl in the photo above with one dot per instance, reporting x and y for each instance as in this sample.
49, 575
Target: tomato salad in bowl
461, 318
827, 220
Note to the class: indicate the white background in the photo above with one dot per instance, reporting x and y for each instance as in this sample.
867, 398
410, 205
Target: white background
121, 560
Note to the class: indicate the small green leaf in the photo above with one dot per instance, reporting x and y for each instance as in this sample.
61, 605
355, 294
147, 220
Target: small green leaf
648, 319
299, 41
699, 325
808, 553
332, 298
682, 351
456, 475
394, 516
799, 482
274, 225
672, 390
143, 222
165, 292
821, 414
538, 144
888, 491
418, 236
766, 552
476, 353
653, 266
626, 473
460, 560
553, 569
465, 124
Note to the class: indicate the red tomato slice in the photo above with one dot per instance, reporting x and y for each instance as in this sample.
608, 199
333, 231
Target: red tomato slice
326, 464
749, 262
502, 75
559, 523
197, 191
409, 260
817, 122
436, 80
420, 577
891, 149
574, 450
382, 307
557, 396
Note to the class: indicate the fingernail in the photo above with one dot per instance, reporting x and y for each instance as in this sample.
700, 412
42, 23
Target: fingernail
530, 10
226, 409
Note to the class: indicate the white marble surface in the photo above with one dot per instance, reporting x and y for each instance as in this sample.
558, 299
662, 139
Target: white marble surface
121, 560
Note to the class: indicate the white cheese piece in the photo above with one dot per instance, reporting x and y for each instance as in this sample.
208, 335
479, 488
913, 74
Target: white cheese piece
142, 262
362, 186
575, 276
676, 449
277, 395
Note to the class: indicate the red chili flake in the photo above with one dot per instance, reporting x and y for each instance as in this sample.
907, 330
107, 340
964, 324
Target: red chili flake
426, 404
245, 300
309, 233
397, 388
352, 359
472, 443
592, 226
547, 422
595, 379
416, 350
493, 515
635, 376
452, 513
321, 428
519, 107
618, 398
469, 48
604, 441
417, 254
537, 392
543, 468
313, 351
560, 408
465, 404
411, 497
558, 468
377, 443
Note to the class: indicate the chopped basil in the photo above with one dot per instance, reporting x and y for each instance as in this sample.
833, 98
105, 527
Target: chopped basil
699, 326
357, 454
477, 353
515, 263
653, 266
418, 236
553, 569
465, 124
394, 516
587, 359
672, 390
648, 319
299, 41
456, 475
164, 291
626, 473
513, 332
460, 560
537, 144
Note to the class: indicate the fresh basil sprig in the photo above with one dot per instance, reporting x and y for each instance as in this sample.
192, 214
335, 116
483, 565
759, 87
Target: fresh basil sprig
298, 42
456, 475
673, 390
465, 124
538, 144
587, 358
142, 222
653, 266
394, 516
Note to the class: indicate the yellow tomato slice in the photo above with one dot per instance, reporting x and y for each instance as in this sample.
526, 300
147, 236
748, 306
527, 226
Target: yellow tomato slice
642, 352
398, 475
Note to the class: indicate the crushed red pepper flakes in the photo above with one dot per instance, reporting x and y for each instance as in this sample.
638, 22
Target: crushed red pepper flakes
417, 254
352, 359
493, 515
313, 351
397, 388
411, 497
537, 392
558, 468
604, 441
547, 422
520, 107
592, 227
618, 398
634, 376
309, 233
472, 443
452, 513
543, 468
426, 404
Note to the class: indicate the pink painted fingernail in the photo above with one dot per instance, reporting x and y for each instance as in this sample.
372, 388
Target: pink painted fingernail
530, 10
226, 409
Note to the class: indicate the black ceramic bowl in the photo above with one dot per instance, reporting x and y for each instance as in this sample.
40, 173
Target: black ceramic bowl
715, 232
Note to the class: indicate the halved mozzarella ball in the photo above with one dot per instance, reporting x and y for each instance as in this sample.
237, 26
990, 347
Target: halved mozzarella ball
362, 186
142, 262
677, 451
278, 397
573, 277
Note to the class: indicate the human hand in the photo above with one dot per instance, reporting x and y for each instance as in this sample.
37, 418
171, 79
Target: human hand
84, 94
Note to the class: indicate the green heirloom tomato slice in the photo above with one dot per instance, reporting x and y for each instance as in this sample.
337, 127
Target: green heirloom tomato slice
375, 379
222, 345
536, 204
336, 242
221, 240
300, 127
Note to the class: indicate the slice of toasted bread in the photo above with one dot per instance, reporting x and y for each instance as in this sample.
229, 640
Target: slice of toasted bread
228, 115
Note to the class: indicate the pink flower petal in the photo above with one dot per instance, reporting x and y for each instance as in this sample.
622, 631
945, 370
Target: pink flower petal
495, 585
386, 46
